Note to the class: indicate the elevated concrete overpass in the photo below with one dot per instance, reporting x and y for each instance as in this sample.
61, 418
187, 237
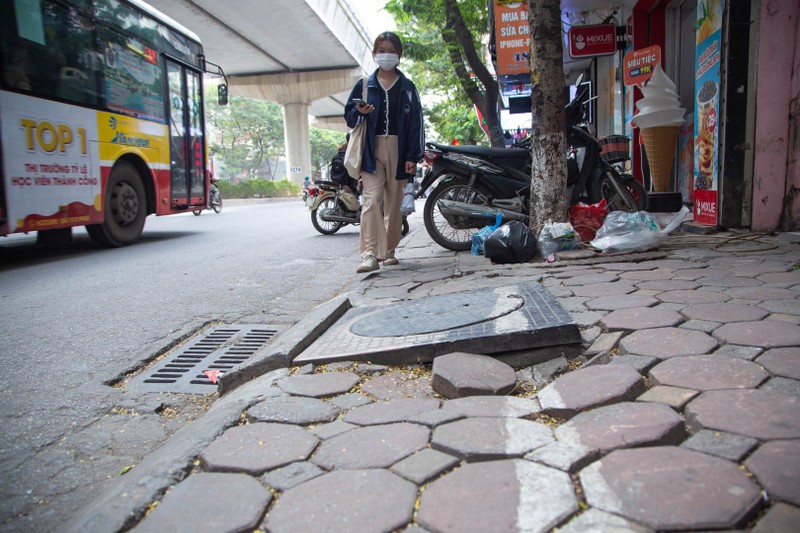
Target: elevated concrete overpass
305, 55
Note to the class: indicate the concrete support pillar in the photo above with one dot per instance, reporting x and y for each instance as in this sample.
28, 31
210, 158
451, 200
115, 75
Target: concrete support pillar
295, 133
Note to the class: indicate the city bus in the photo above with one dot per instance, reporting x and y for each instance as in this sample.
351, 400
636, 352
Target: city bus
101, 118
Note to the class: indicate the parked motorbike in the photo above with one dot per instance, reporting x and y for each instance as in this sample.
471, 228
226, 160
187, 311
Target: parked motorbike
333, 206
214, 201
474, 183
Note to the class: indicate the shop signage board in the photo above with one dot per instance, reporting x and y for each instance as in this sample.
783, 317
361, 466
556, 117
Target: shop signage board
706, 124
512, 36
639, 65
592, 41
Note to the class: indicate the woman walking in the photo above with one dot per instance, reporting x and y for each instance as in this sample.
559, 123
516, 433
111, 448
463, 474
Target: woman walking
394, 144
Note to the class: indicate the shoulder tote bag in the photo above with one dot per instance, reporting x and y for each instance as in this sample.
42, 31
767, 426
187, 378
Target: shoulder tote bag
355, 148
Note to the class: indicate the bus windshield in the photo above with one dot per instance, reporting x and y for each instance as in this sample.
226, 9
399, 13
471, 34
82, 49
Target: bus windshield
102, 117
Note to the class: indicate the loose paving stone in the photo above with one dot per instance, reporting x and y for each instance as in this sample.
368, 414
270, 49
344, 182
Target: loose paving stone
485, 439
319, 385
510, 495
675, 397
782, 385
209, 502
742, 352
371, 447
761, 293
391, 411
292, 410
348, 401
597, 520
493, 406
766, 334
624, 425
590, 278
667, 342
590, 387
604, 343
780, 518
642, 363
424, 465
710, 493
603, 289
752, 412
698, 296
667, 285
291, 475
612, 303
777, 469
786, 307
364, 500
724, 312
564, 455
640, 318
258, 447
721, 443
708, 372
326, 431
782, 362
543, 373
400, 383
459, 374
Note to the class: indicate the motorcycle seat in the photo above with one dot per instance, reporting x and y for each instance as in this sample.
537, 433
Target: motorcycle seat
483, 151
328, 185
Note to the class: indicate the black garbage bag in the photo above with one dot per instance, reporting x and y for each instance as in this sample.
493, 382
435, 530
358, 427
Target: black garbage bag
511, 243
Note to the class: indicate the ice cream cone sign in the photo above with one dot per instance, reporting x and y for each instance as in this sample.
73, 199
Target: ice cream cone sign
659, 118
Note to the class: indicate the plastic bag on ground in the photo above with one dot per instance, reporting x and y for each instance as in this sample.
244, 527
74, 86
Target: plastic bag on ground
558, 236
511, 243
479, 237
634, 232
407, 207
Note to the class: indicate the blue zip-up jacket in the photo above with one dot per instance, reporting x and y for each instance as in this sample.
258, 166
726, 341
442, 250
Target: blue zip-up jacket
410, 133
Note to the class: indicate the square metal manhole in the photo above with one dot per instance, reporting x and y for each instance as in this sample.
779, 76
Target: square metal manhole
218, 348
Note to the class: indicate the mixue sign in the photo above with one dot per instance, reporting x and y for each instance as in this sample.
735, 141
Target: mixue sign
590, 41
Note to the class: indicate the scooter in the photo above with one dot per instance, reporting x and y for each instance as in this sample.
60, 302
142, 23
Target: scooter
214, 201
333, 206
473, 184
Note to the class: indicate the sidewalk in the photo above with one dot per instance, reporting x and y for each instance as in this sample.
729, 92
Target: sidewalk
679, 410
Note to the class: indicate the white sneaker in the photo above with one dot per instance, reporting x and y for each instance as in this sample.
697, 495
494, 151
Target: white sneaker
369, 264
391, 261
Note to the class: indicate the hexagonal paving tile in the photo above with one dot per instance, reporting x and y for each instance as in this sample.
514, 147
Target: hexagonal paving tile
649, 485
210, 502
775, 464
692, 297
371, 447
492, 406
766, 334
319, 385
668, 342
479, 439
589, 387
603, 289
624, 425
724, 312
612, 303
510, 495
258, 447
640, 318
751, 412
391, 411
458, 374
761, 293
667, 285
292, 410
708, 372
345, 501
781, 362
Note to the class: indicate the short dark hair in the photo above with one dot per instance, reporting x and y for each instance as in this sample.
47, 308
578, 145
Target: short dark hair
392, 38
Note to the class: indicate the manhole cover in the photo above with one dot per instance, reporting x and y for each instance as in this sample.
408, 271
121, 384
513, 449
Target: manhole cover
220, 348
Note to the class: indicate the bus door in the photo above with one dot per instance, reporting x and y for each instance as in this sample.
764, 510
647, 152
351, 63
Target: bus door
187, 155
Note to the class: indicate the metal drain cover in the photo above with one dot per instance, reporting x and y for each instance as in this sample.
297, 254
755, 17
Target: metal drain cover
219, 348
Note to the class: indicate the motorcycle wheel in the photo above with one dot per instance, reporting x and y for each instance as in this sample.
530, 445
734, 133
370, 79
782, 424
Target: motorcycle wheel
324, 226
622, 196
197, 212
440, 228
216, 205
406, 227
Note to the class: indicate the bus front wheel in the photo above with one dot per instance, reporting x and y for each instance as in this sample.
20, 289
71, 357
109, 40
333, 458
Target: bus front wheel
125, 208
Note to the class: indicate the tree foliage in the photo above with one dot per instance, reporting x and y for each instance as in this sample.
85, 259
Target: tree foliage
444, 39
324, 145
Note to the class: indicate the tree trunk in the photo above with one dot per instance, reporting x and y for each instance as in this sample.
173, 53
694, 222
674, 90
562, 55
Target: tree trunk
549, 146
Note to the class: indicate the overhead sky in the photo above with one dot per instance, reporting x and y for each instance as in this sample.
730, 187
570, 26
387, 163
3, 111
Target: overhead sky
374, 17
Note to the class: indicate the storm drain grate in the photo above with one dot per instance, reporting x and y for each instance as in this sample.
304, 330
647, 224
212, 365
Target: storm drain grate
220, 348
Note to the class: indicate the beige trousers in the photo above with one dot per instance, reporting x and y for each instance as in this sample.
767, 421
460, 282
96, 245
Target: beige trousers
381, 218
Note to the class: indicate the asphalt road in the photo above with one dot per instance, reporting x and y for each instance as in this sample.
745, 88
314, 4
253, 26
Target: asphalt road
76, 318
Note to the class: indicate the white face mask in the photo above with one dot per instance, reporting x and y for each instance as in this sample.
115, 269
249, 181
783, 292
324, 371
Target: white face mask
387, 61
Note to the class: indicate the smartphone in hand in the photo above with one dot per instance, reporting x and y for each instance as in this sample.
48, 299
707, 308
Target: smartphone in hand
360, 102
